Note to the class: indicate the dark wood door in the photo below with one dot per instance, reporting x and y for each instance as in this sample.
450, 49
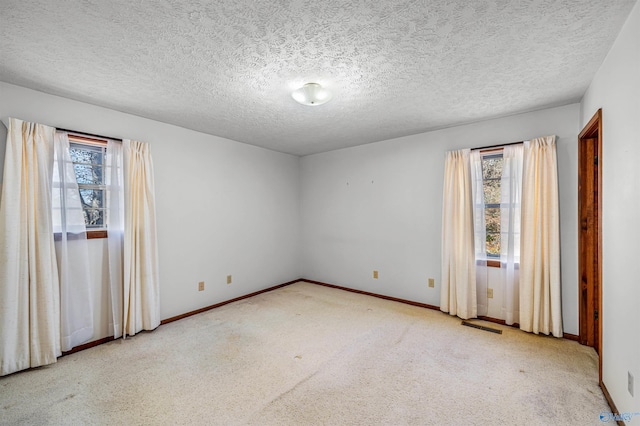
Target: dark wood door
588, 242
590, 234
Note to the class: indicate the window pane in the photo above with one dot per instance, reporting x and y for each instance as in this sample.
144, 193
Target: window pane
493, 245
88, 160
94, 218
492, 167
88, 175
491, 175
92, 198
86, 154
492, 191
492, 220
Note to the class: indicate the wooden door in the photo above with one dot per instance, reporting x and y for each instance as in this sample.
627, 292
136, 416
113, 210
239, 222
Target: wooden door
588, 208
590, 234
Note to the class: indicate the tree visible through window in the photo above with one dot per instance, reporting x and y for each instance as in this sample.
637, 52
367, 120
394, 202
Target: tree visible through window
491, 176
88, 164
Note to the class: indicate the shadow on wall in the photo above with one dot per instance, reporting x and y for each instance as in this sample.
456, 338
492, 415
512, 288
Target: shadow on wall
3, 143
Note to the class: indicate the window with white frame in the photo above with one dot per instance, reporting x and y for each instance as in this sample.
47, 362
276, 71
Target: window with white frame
491, 179
88, 157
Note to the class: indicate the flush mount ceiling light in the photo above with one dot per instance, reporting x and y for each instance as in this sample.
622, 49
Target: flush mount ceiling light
311, 94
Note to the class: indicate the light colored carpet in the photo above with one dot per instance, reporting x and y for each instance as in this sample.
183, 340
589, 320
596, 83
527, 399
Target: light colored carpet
311, 355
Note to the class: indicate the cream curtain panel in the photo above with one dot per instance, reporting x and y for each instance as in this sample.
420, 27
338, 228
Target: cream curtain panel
458, 290
480, 233
114, 182
510, 224
29, 287
540, 292
72, 250
141, 293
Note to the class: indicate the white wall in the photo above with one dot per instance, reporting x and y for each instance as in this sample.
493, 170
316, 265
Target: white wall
379, 206
223, 208
616, 89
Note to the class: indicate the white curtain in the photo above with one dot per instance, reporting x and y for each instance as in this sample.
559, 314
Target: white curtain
540, 297
72, 251
510, 217
115, 234
480, 233
141, 296
458, 291
29, 288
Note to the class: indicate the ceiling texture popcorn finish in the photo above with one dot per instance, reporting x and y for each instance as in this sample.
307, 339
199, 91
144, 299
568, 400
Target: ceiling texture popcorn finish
228, 67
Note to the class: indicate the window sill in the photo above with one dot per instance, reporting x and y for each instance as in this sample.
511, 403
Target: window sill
102, 233
99, 234
493, 263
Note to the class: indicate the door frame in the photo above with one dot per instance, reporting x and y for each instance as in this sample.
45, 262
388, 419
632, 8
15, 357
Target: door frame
592, 130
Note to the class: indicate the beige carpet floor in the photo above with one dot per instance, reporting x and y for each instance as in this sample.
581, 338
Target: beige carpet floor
311, 355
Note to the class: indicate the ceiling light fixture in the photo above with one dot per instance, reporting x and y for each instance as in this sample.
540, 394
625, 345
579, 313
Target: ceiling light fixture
311, 94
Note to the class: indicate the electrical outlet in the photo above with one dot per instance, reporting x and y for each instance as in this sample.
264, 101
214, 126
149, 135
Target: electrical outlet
201, 286
229, 279
490, 293
630, 382
432, 282
375, 275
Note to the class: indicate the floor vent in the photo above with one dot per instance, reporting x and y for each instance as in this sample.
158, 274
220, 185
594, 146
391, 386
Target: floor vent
481, 327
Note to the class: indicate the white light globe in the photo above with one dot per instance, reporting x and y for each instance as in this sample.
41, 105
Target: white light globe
311, 94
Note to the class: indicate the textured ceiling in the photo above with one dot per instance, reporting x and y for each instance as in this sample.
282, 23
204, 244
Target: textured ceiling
227, 67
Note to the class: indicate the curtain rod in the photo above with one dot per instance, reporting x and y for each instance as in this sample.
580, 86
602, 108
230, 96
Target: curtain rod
88, 134
496, 146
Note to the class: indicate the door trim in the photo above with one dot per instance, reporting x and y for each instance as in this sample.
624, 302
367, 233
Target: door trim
593, 130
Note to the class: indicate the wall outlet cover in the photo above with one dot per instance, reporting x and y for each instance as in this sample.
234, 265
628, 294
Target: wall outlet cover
229, 279
201, 286
375, 275
432, 282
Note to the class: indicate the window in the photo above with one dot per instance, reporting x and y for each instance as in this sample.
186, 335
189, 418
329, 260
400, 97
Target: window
88, 157
491, 177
